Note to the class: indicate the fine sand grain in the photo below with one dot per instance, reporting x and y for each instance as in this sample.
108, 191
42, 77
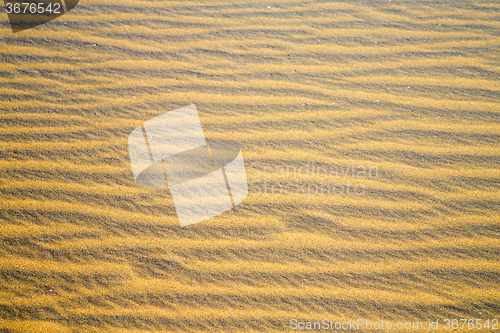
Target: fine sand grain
396, 102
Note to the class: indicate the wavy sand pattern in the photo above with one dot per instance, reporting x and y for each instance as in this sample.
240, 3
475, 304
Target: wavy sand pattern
409, 90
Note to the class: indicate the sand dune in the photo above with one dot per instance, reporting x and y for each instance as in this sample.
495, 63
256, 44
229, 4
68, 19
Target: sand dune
314, 93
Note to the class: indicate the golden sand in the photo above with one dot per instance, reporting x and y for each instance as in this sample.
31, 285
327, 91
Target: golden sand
408, 89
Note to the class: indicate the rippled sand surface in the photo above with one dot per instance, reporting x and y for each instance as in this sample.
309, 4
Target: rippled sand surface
406, 90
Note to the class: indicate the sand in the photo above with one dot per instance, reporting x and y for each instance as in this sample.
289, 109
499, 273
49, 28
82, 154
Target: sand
370, 132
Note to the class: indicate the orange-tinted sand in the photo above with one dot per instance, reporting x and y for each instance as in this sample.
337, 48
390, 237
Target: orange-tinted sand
409, 90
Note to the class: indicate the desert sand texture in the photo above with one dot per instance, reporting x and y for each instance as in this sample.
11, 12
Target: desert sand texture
370, 132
